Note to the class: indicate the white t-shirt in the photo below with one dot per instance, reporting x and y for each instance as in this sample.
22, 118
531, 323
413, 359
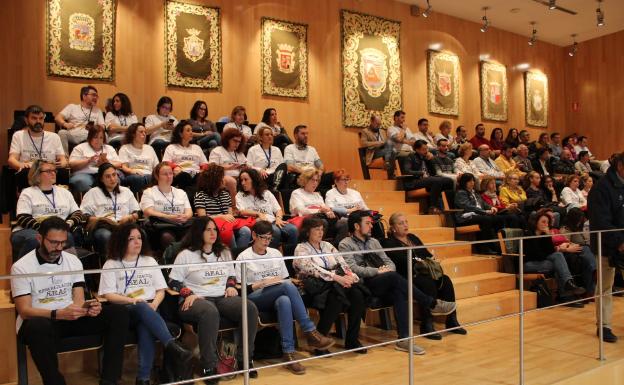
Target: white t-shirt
427, 138
266, 160
140, 284
51, 292
97, 204
205, 280
574, 199
276, 130
305, 203
120, 120
80, 116
174, 202
394, 130
29, 148
257, 271
160, 133
219, 155
33, 201
308, 157
245, 130
188, 158
143, 159
85, 151
335, 198
268, 205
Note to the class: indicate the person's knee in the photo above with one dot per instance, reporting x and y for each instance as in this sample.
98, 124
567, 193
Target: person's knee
252, 311
283, 302
36, 329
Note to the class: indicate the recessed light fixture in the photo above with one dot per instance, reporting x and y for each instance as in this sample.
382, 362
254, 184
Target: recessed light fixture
486, 22
435, 46
523, 66
484, 57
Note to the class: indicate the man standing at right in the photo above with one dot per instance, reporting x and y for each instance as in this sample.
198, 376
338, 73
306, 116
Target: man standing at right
605, 208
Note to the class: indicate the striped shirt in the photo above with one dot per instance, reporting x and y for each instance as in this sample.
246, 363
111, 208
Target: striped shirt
213, 205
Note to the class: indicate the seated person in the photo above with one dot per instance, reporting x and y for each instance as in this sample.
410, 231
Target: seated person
188, 159
107, 205
40, 201
461, 135
341, 199
270, 289
512, 138
571, 195
583, 167
167, 208
237, 121
419, 164
486, 165
569, 143
537, 197
511, 212
443, 163
160, 125
208, 293
576, 222
269, 119
479, 138
53, 307
497, 141
438, 286
476, 212
375, 139
141, 292
445, 133
205, 132
400, 135
463, 164
504, 162
523, 163
543, 162
213, 199
230, 154
380, 277
137, 159
565, 164
256, 201
587, 183
87, 157
267, 159
555, 145
33, 143
119, 119
300, 155
76, 119
525, 138
334, 288
542, 142
511, 193
423, 134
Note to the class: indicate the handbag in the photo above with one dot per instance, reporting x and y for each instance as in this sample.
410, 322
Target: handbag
226, 229
430, 267
227, 359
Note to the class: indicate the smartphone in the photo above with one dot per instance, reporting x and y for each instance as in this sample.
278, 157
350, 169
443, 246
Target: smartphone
171, 121
87, 304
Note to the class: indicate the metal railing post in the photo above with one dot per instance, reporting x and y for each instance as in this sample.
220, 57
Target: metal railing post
521, 311
410, 312
245, 326
601, 356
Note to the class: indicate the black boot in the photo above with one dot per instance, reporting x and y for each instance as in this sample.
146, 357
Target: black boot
180, 358
451, 322
426, 326
210, 372
570, 288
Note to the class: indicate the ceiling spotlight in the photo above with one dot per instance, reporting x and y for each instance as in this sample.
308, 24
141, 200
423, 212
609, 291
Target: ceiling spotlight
533, 38
427, 11
486, 22
552, 4
574, 48
599, 15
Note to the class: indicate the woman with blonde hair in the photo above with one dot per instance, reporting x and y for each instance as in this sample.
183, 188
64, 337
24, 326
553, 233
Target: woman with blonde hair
463, 164
237, 121
511, 192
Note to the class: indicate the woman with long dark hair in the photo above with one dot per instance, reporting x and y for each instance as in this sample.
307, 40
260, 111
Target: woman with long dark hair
137, 158
512, 138
205, 132
160, 125
186, 159
119, 119
269, 119
496, 140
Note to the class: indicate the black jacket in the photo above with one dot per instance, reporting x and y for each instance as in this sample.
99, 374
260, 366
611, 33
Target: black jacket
468, 202
399, 257
538, 249
605, 209
564, 167
413, 165
537, 167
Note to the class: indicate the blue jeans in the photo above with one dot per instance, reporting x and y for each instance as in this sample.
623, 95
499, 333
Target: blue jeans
159, 146
137, 183
287, 234
588, 266
149, 326
25, 240
82, 182
242, 237
554, 262
286, 300
212, 140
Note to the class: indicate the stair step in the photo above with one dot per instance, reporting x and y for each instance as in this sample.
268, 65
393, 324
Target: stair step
389, 208
458, 249
384, 196
424, 220
482, 284
363, 185
490, 306
464, 266
434, 234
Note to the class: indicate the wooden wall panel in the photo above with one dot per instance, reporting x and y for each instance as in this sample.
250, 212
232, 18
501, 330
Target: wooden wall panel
140, 66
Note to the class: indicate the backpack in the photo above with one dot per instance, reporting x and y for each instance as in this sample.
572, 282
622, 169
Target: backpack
544, 294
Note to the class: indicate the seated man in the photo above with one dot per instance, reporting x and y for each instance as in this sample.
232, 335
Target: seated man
375, 139
565, 164
420, 165
423, 134
479, 139
523, 163
33, 143
380, 276
583, 166
486, 165
505, 160
542, 163
401, 135
300, 155
52, 307
74, 118
555, 145
525, 138
443, 163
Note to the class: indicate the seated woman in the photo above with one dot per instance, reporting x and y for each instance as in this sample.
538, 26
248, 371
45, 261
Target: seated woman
36, 203
511, 193
463, 164
439, 286
256, 201
142, 291
576, 222
267, 159
571, 195
107, 206
306, 201
270, 289
119, 119
541, 256
187, 158
537, 197
137, 159
512, 138
476, 211
213, 199
87, 157
205, 132
588, 183
334, 288
497, 142
230, 156
209, 294
511, 213
167, 208
269, 119
341, 199
160, 125
237, 121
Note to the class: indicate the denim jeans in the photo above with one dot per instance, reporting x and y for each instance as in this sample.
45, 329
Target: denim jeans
82, 182
286, 300
25, 240
588, 266
242, 237
212, 140
100, 238
554, 262
137, 183
149, 326
287, 234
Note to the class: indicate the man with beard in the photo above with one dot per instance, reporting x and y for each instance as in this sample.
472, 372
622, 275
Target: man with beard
75, 119
375, 139
479, 139
444, 164
33, 143
300, 155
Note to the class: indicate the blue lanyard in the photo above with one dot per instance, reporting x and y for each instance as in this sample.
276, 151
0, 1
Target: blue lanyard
170, 201
40, 149
53, 201
128, 280
235, 157
268, 156
320, 251
114, 206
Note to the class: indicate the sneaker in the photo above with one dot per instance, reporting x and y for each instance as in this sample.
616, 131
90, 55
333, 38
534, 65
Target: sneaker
210, 372
403, 346
443, 307
570, 288
607, 335
294, 367
318, 341
424, 329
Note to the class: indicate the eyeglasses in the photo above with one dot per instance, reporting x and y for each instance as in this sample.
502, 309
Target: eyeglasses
93, 94
56, 244
266, 237
53, 171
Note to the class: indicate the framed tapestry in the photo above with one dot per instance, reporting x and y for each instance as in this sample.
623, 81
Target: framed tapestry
284, 58
193, 42
80, 38
536, 98
371, 68
493, 79
442, 83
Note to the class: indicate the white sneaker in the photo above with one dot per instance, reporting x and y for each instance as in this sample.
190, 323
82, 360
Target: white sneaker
404, 347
